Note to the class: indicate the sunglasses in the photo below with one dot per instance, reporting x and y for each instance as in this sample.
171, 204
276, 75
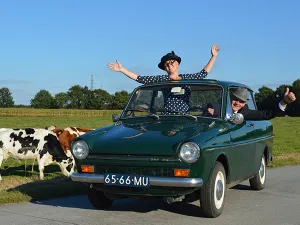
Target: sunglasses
170, 62
239, 100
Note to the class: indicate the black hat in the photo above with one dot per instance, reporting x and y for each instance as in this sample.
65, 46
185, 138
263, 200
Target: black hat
240, 93
167, 57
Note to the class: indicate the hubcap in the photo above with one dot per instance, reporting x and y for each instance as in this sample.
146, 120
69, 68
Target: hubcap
262, 171
219, 190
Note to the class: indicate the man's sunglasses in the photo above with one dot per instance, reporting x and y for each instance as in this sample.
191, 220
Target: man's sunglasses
239, 100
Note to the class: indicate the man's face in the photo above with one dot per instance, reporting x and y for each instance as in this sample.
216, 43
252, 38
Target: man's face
171, 66
237, 104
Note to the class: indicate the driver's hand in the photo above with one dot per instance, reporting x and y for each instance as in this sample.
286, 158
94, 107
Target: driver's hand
211, 111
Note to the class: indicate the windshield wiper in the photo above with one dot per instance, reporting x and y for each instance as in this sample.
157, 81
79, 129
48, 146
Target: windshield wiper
140, 110
154, 115
181, 113
137, 110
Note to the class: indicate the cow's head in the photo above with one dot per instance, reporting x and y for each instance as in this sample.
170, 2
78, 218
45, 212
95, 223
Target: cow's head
67, 165
64, 138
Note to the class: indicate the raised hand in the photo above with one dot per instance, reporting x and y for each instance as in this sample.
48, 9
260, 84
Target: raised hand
211, 111
289, 97
215, 50
115, 66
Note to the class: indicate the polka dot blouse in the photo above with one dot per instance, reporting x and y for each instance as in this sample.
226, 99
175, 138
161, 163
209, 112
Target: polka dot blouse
173, 102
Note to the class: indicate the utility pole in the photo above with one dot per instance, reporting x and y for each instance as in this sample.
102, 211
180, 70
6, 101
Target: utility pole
92, 82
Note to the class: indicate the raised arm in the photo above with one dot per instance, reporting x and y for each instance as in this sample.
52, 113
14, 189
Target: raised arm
119, 68
204, 72
214, 53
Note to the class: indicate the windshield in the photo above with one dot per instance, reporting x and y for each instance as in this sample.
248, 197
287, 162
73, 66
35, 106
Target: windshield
175, 99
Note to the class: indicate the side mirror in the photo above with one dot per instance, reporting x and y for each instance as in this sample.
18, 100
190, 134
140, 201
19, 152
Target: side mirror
237, 118
115, 117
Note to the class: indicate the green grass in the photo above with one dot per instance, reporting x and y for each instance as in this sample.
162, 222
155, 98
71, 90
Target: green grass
286, 148
19, 184
32, 112
60, 122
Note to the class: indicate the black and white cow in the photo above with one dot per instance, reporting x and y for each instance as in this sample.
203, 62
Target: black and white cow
33, 143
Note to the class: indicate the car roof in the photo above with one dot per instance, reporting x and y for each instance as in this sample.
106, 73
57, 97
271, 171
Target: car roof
223, 83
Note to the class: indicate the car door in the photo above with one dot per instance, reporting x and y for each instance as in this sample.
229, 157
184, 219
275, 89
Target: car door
243, 145
256, 135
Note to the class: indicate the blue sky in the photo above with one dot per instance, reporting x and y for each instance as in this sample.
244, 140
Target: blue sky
55, 44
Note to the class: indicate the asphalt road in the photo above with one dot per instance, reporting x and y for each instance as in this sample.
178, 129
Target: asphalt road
278, 203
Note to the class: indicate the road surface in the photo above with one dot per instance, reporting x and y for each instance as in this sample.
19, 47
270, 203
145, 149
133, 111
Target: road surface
277, 204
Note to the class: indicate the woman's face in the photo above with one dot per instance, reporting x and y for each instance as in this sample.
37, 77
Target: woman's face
171, 66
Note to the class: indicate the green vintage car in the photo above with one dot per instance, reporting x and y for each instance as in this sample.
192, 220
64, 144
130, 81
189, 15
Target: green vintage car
152, 151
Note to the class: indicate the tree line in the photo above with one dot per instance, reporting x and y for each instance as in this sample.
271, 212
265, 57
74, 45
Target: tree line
78, 97
266, 98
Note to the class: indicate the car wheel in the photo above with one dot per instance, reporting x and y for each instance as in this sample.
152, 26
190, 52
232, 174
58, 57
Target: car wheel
259, 180
98, 199
212, 194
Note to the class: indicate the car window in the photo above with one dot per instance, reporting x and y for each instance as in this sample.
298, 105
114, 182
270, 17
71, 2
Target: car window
153, 99
250, 101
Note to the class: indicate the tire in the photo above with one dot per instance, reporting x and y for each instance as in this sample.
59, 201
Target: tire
212, 194
259, 180
98, 199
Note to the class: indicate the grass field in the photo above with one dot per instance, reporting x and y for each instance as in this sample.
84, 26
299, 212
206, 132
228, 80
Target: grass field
20, 184
24, 112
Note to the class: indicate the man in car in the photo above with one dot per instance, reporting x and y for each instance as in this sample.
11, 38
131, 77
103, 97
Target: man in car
239, 105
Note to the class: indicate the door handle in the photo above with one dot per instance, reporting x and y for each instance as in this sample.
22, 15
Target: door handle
251, 125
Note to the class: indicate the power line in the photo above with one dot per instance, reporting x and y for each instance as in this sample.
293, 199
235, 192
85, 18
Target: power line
92, 81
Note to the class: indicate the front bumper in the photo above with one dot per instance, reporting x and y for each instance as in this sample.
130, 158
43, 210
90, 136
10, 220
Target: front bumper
154, 181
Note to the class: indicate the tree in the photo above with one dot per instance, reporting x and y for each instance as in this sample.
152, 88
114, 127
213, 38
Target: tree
119, 100
296, 90
99, 99
61, 100
279, 92
265, 98
6, 99
77, 97
294, 108
43, 99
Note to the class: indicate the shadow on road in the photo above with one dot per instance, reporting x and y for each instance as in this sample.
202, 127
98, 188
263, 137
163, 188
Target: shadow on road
189, 207
242, 187
129, 204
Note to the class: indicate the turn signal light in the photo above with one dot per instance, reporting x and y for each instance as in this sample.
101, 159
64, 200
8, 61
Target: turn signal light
181, 172
87, 169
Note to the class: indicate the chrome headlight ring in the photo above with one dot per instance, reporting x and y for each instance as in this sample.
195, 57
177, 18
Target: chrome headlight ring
80, 149
189, 152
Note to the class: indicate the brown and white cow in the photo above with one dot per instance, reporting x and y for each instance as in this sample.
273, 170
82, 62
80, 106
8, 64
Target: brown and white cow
33, 143
66, 136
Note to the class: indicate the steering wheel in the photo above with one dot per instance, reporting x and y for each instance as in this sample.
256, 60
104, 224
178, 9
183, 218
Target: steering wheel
197, 108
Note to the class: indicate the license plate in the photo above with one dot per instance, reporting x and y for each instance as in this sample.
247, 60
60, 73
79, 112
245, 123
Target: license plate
126, 180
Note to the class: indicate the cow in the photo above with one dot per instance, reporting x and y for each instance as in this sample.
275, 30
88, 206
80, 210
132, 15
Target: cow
66, 135
33, 143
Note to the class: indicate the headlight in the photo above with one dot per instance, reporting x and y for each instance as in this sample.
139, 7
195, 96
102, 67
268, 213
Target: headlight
189, 152
80, 149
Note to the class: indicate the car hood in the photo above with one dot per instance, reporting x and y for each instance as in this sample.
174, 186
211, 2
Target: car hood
144, 138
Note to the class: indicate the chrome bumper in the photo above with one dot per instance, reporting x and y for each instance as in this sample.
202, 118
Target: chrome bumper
154, 181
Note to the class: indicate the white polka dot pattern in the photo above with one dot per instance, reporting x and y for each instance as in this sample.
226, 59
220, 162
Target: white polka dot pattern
173, 102
164, 78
